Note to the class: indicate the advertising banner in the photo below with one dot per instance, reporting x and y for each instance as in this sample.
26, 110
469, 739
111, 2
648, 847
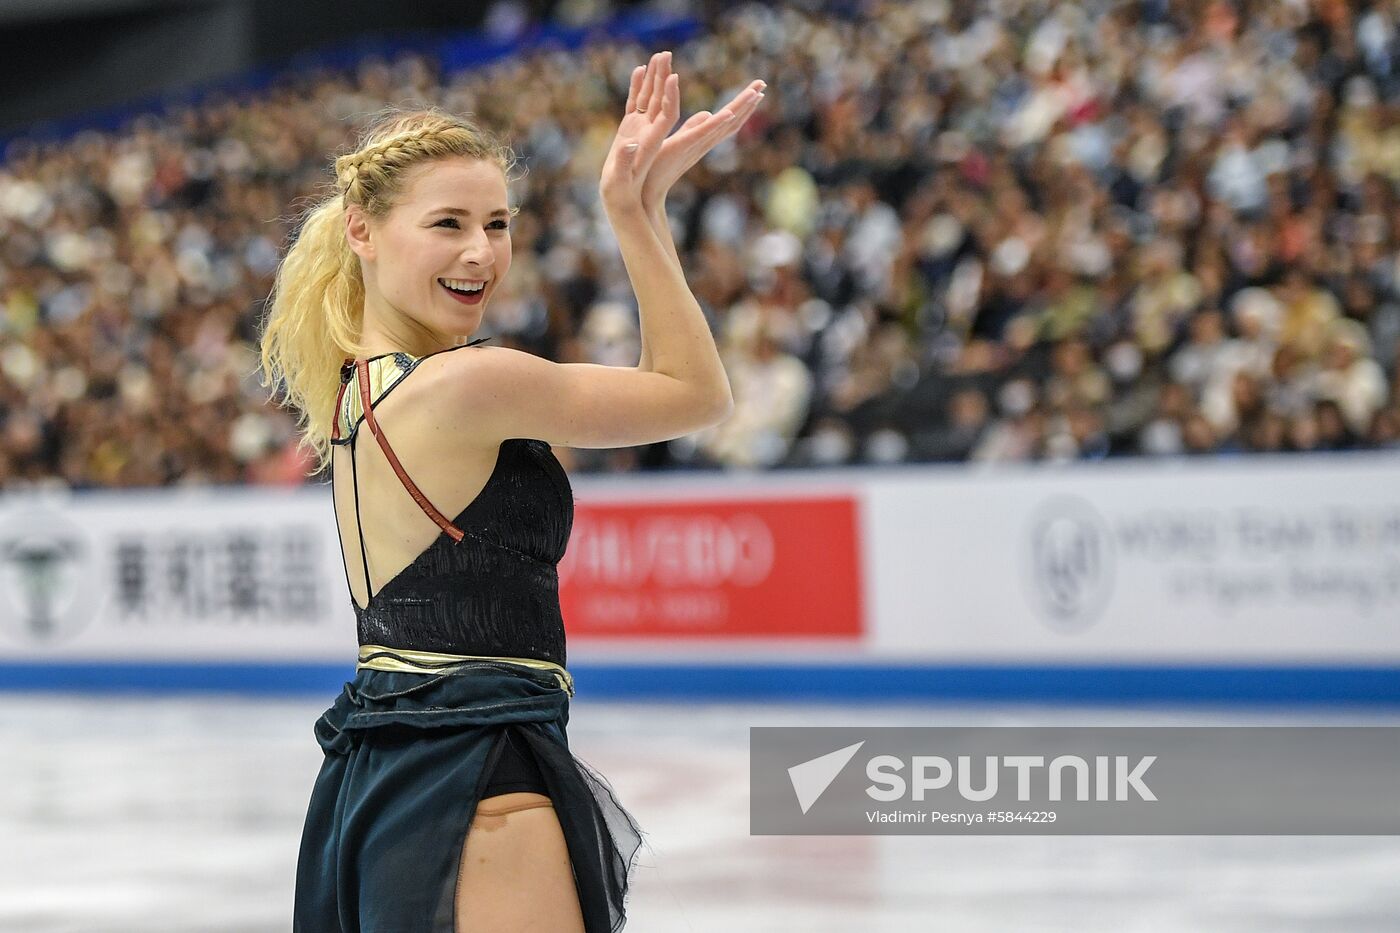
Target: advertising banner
714, 569
1243, 560
213, 575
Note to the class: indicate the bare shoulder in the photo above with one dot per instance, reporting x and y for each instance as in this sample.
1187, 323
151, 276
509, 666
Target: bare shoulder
467, 391
489, 394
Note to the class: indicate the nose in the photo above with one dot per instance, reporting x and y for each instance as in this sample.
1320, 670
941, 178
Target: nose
476, 252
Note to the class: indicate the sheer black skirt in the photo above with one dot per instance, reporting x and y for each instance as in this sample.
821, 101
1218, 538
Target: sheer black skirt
407, 758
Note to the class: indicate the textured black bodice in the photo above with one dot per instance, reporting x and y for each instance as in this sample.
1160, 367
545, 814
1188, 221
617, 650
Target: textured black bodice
494, 592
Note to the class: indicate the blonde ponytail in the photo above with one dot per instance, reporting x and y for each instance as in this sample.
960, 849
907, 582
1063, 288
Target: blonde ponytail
316, 309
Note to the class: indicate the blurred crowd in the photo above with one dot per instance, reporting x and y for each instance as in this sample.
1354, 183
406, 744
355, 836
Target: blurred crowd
991, 231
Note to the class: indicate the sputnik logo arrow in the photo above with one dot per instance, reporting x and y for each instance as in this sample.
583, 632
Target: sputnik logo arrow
811, 778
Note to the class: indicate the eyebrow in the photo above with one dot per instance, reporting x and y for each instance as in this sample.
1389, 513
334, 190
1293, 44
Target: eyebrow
462, 212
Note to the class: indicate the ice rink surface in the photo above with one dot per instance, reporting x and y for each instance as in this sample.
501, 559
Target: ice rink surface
183, 813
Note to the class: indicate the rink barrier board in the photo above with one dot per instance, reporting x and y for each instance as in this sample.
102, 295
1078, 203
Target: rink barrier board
1259, 580
1078, 684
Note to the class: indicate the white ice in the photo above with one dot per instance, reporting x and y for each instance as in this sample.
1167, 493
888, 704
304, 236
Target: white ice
148, 815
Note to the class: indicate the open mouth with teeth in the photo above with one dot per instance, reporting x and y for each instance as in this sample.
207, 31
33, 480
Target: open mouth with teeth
464, 290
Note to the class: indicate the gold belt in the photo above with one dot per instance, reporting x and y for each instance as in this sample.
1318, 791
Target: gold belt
381, 658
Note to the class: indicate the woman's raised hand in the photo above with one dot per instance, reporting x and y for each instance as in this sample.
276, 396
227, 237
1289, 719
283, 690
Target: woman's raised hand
643, 163
697, 136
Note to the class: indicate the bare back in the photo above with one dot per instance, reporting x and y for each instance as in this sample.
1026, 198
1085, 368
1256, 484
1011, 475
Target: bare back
449, 467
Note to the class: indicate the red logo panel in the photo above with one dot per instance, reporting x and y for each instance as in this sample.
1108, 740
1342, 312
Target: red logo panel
766, 568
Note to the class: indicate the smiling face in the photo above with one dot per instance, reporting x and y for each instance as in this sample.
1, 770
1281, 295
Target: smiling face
448, 230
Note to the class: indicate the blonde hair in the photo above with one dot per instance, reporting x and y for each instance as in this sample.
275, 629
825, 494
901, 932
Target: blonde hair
316, 308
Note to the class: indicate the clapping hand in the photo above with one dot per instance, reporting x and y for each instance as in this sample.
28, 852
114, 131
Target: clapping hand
644, 162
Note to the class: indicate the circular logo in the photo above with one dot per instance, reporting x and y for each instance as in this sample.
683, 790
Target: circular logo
46, 581
1071, 563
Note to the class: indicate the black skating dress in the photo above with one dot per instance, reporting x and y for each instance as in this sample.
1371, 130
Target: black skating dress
460, 693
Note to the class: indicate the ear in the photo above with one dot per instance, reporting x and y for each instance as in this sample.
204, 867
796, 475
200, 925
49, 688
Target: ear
358, 233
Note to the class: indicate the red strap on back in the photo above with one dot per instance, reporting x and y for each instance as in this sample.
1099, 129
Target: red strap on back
443, 522
339, 400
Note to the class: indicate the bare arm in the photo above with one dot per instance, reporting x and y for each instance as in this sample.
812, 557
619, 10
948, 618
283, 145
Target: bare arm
673, 326
681, 387
659, 222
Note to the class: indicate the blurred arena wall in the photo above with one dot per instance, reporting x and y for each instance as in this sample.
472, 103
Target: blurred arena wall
1262, 579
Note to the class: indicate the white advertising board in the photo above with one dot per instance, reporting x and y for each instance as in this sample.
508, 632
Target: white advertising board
1226, 560
218, 574
1250, 560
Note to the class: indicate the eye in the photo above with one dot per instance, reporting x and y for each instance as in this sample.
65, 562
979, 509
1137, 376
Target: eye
500, 225
448, 220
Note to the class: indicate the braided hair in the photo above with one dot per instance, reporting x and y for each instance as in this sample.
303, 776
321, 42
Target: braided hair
373, 173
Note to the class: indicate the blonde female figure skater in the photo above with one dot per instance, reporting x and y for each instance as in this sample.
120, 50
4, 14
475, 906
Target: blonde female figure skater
448, 799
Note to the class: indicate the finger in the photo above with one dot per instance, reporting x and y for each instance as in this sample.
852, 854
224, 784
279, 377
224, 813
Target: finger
751, 105
657, 87
696, 120
728, 119
634, 88
664, 77
671, 105
703, 129
725, 123
748, 97
644, 93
